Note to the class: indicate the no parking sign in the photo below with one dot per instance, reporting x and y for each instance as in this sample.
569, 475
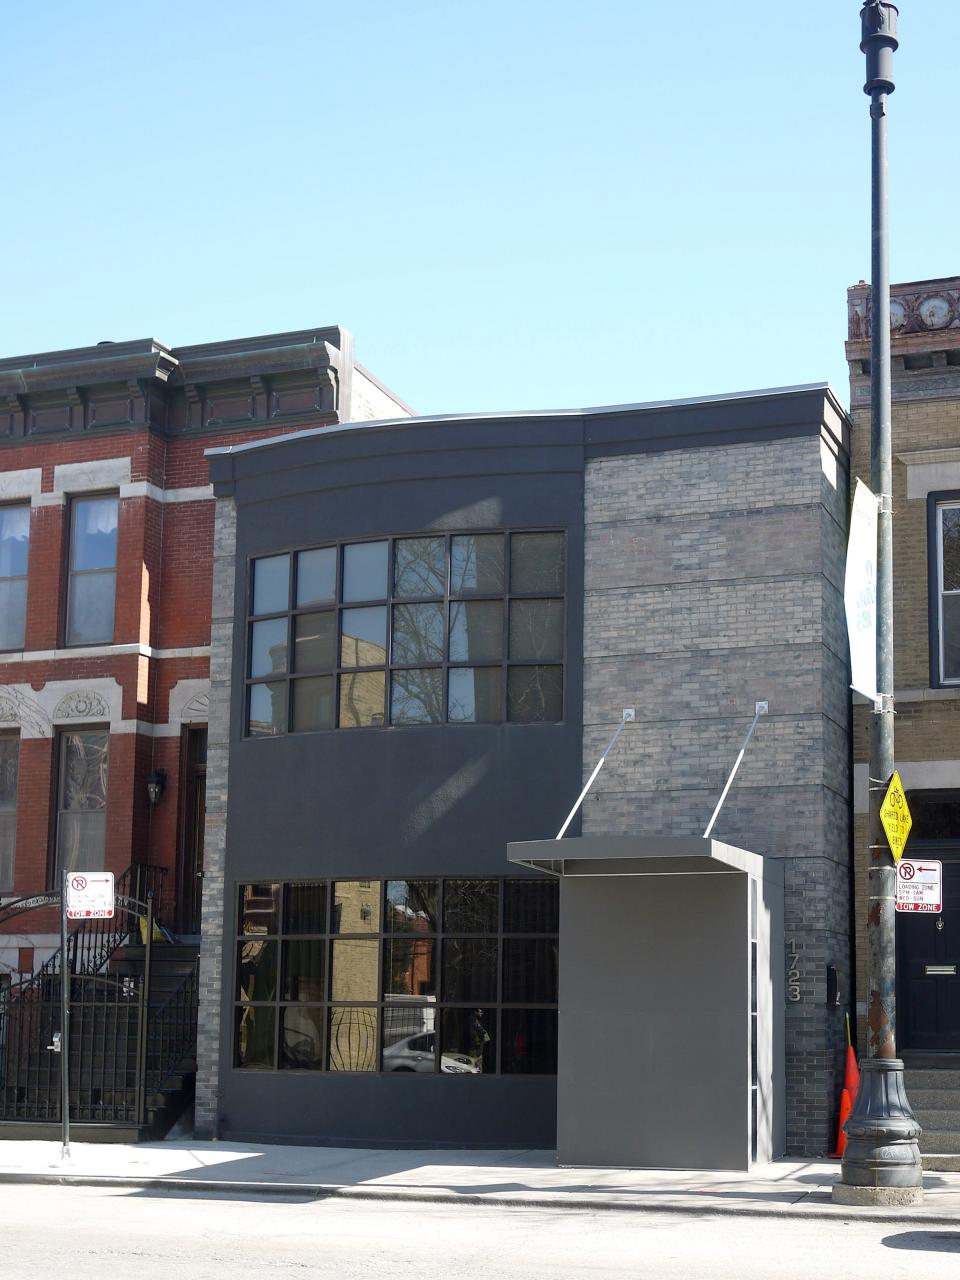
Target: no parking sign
90, 895
920, 885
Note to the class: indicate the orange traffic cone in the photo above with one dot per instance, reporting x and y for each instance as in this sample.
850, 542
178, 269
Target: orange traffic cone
846, 1106
851, 1072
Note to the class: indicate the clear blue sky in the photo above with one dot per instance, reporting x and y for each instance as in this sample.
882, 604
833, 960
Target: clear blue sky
515, 204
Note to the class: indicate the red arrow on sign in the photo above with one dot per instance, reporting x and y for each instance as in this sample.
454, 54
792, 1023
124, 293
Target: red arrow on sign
926, 868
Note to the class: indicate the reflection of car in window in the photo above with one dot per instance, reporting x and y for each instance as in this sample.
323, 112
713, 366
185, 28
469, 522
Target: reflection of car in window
417, 1053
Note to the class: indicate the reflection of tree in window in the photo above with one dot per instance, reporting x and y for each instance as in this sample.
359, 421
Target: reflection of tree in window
536, 563
411, 906
418, 634
476, 564
535, 694
416, 696
81, 828
536, 630
471, 906
420, 567
86, 781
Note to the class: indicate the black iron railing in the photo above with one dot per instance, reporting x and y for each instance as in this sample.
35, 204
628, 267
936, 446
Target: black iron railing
171, 1037
92, 945
121, 1050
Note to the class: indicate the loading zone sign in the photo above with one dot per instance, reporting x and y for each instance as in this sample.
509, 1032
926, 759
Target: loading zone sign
920, 885
90, 895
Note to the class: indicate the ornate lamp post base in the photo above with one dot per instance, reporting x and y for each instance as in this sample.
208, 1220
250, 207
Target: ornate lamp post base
881, 1164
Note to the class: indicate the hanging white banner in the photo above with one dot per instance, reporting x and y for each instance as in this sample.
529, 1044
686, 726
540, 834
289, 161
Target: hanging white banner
860, 592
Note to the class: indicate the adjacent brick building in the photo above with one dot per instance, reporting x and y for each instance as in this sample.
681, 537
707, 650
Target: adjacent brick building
106, 557
925, 350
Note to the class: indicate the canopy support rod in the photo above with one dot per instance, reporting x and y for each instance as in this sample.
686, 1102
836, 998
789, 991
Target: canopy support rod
628, 714
762, 709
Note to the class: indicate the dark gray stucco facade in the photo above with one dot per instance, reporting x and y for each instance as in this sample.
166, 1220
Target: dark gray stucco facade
432, 800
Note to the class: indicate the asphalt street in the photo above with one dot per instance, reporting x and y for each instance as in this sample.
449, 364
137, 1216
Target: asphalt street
90, 1232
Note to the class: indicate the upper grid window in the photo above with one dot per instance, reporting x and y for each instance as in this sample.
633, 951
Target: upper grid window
461, 628
948, 589
14, 550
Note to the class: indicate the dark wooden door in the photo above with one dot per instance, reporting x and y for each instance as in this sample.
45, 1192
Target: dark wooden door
928, 964
190, 862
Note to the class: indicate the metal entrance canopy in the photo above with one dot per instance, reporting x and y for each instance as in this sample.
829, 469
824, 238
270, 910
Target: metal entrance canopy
636, 856
670, 1046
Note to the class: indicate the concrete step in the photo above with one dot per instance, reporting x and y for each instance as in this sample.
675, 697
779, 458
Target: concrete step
934, 1120
939, 1142
49, 1131
940, 1163
931, 1078
934, 1099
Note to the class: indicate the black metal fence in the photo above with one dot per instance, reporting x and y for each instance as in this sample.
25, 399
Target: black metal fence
121, 1049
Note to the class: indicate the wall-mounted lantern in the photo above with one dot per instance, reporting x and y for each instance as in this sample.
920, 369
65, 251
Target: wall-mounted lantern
156, 783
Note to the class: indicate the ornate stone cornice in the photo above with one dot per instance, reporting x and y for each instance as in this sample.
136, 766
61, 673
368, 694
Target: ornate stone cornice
925, 306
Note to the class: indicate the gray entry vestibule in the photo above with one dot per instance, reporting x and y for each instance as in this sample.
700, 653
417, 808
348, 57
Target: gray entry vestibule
671, 1001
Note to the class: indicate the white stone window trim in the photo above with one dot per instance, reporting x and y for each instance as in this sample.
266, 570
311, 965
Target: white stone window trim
61, 703
917, 775
104, 651
20, 486
76, 478
930, 470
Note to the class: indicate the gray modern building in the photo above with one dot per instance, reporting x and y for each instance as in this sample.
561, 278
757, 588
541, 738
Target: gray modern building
424, 632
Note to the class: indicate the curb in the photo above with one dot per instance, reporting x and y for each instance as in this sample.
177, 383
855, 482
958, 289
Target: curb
801, 1208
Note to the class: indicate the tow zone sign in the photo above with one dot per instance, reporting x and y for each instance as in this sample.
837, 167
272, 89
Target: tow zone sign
920, 885
90, 895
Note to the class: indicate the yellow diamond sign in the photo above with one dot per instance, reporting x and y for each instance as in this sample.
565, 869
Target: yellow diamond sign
895, 816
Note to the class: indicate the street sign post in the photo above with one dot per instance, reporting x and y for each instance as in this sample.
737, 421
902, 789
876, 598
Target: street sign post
895, 816
84, 895
920, 885
90, 895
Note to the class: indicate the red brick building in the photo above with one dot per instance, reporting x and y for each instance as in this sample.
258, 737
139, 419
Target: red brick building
106, 532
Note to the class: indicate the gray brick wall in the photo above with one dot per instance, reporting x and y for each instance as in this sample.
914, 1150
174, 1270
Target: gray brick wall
713, 579
214, 850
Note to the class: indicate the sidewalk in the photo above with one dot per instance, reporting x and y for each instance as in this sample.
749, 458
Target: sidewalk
521, 1178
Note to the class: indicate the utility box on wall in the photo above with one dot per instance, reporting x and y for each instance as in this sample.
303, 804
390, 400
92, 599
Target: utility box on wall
671, 1001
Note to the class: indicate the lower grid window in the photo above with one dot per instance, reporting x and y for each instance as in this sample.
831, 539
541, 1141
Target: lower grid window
453, 976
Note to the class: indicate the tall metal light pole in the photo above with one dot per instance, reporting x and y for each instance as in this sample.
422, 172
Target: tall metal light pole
881, 1164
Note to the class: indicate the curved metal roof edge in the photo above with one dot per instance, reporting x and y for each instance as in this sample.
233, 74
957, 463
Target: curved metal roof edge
510, 415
